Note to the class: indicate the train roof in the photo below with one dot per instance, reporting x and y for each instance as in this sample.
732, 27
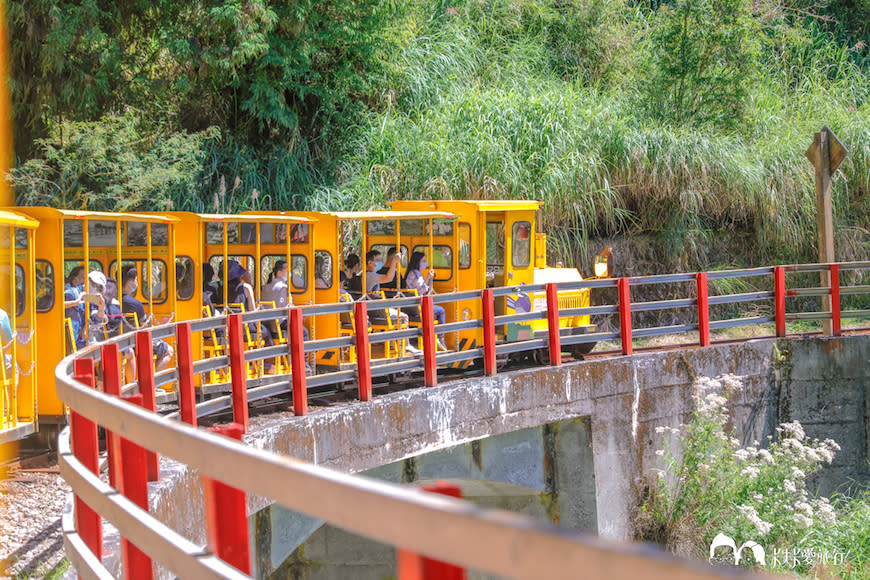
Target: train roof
52, 212
18, 220
484, 205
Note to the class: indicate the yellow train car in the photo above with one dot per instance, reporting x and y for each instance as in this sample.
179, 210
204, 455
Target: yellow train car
494, 244
95, 241
18, 338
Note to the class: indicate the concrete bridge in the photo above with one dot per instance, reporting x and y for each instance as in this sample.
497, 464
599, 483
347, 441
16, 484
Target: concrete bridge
581, 435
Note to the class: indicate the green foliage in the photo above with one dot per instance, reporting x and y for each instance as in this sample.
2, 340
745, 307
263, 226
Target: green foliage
112, 164
711, 484
705, 58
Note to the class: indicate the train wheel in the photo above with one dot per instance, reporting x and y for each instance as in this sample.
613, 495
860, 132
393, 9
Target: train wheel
578, 350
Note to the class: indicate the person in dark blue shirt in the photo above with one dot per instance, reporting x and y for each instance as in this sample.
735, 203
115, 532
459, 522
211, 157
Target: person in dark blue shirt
130, 304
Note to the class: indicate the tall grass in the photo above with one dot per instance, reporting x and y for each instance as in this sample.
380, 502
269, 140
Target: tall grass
479, 112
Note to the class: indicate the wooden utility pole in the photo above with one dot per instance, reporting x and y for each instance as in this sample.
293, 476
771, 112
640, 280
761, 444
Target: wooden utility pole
826, 153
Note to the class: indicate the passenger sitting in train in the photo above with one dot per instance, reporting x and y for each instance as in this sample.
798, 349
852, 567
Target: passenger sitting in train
97, 306
351, 276
277, 291
391, 287
416, 280
73, 304
240, 287
373, 281
212, 290
114, 314
130, 304
6, 334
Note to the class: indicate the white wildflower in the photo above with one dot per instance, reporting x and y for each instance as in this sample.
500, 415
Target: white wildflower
794, 430
804, 507
798, 473
660, 452
761, 526
825, 511
765, 456
750, 471
660, 430
789, 486
741, 454
757, 497
802, 520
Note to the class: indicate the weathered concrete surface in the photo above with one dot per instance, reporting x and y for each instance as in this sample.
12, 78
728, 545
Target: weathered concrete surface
546, 472
820, 381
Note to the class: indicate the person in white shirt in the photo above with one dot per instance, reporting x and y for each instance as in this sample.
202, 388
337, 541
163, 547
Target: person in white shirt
276, 289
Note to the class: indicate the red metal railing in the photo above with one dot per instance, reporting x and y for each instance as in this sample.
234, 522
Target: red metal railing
132, 461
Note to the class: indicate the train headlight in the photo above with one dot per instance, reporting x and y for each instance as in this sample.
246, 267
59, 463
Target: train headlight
466, 314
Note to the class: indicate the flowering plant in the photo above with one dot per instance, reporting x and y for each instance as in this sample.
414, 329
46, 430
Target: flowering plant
711, 484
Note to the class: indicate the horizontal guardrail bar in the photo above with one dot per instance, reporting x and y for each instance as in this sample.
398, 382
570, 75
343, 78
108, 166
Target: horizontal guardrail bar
171, 549
663, 304
588, 310
816, 291
211, 364
741, 273
746, 321
413, 364
853, 290
742, 297
660, 330
521, 346
333, 378
206, 324
447, 358
661, 279
328, 343
502, 291
521, 317
808, 316
334, 308
380, 337
457, 326
589, 283
570, 339
166, 377
855, 314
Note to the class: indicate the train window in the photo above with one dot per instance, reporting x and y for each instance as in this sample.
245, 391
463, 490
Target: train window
72, 233
248, 233
184, 278
464, 246
20, 290
322, 270
521, 244
137, 234
102, 233
298, 270
20, 238
44, 286
153, 287
494, 244
247, 262
299, 233
382, 227
214, 233
443, 256
384, 248
440, 228
267, 233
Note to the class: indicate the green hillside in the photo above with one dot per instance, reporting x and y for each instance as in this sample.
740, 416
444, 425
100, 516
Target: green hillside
675, 120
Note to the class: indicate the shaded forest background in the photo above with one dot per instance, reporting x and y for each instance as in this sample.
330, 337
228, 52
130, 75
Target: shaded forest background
682, 123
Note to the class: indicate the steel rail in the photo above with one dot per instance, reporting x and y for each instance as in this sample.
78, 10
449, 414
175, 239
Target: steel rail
663, 304
742, 297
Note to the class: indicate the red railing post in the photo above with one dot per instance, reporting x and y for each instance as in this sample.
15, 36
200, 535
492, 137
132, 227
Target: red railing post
363, 357
835, 300
624, 293
145, 376
297, 361
488, 307
238, 370
553, 324
186, 386
413, 566
226, 514
134, 486
430, 374
703, 309
779, 299
87, 450
110, 359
